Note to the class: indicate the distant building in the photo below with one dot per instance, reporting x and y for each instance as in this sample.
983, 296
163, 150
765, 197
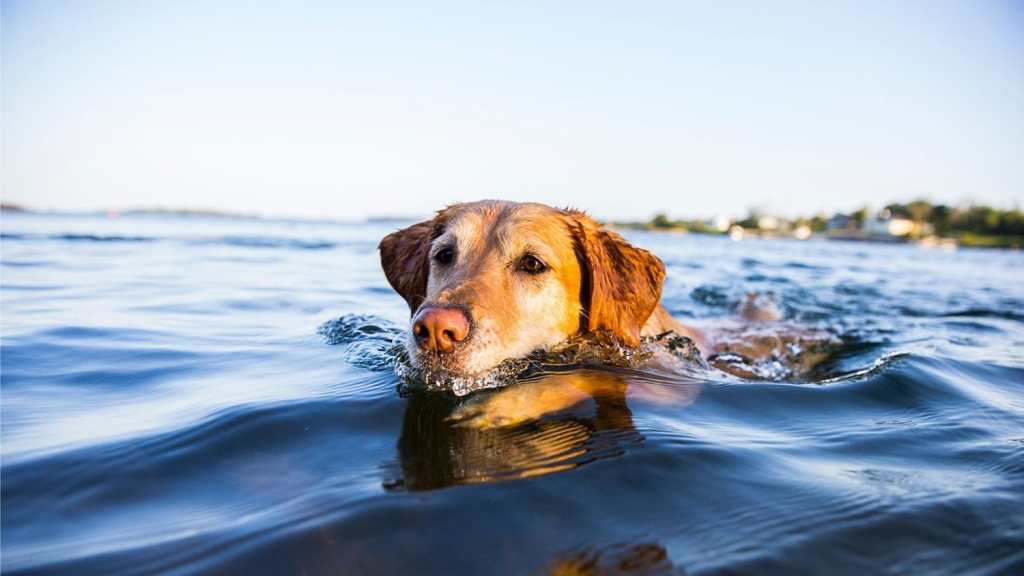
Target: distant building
720, 223
840, 222
884, 224
768, 223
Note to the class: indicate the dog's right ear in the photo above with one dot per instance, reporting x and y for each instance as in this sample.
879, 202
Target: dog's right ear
404, 255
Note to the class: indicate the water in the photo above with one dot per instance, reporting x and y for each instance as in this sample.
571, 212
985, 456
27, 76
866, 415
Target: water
216, 396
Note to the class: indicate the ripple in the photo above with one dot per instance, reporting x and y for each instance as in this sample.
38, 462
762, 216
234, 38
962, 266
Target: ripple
168, 409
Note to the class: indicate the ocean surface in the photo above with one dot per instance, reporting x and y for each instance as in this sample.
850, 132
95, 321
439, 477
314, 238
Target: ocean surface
192, 395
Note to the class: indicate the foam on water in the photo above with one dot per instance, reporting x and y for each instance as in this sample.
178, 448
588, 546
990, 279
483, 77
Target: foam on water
374, 344
590, 349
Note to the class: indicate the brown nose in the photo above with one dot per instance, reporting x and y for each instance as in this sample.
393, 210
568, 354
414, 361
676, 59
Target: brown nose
440, 328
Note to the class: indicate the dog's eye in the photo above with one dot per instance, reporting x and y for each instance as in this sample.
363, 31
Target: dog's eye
532, 264
445, 256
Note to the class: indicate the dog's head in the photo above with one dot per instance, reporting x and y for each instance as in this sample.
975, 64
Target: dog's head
491, 280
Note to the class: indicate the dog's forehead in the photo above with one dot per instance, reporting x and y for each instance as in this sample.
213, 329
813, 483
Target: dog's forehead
509, 227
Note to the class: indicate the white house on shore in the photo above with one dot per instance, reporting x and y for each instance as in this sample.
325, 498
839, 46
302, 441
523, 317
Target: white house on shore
884, 224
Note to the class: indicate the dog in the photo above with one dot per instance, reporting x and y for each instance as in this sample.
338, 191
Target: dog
492, 280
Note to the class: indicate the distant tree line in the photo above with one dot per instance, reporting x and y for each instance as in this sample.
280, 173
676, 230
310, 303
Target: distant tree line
970, 224
949, 221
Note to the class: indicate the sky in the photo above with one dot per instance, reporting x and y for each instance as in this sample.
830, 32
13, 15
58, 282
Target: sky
348, 110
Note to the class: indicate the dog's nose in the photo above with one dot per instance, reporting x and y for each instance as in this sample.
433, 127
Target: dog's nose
440, 328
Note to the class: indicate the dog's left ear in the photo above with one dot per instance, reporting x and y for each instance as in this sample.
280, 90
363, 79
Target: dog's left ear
404, 257
621, 283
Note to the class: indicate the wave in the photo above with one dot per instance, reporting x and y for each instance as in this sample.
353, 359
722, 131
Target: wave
240, 241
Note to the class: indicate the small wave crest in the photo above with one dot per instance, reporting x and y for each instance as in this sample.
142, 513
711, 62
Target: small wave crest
777, 351
879, 366
77, 237
369, 342
241, 241
272, 242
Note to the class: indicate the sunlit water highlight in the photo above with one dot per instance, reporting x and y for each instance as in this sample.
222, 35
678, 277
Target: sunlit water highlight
217, 396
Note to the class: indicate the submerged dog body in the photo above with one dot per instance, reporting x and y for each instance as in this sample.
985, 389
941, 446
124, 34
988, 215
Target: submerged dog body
491, 280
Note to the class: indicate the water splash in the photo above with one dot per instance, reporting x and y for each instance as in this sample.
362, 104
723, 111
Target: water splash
369, 342
374, 344
776, 352
592, 348
443, 381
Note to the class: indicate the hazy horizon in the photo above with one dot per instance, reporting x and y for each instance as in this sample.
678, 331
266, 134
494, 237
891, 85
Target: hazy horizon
115, 212
347, 111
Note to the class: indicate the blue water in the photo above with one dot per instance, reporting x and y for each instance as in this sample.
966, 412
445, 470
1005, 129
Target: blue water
214, 396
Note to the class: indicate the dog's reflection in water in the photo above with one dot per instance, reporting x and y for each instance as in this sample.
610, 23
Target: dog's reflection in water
621, 558
542, 425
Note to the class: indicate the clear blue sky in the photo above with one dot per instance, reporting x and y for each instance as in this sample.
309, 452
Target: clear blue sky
347, 110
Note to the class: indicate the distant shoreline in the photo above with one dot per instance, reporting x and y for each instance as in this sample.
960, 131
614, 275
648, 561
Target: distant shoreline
737, 230
134, 212
919, 222
966, 240
184, 212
